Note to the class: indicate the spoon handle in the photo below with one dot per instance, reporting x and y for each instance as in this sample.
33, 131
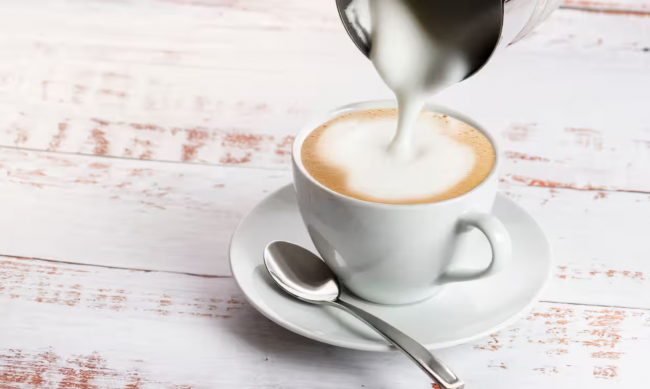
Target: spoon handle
432, 366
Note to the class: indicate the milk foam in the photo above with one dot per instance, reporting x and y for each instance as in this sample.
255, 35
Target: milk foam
348, 155
412, 157
411, 63
435, 164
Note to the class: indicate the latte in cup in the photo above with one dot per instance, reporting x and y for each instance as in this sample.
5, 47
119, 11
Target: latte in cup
350, 155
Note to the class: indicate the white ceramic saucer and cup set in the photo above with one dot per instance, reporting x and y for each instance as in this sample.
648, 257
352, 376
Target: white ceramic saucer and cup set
444, 272
397, 254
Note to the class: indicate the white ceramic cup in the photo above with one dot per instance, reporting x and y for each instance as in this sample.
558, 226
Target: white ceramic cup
397, 254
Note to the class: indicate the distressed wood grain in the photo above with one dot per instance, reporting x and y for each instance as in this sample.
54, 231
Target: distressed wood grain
213, 82
614, 6
179, 217
216, 83
134, 214
101, 328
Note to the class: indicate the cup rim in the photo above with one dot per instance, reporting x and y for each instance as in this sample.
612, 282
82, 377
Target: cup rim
375, 104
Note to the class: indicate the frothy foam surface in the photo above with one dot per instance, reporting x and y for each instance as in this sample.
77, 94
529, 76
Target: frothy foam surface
349, 155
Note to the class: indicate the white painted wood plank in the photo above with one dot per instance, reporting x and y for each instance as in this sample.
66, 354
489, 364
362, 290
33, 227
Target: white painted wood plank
599, 241
134, 214
89, 327
230, 83
179, 217
610, 6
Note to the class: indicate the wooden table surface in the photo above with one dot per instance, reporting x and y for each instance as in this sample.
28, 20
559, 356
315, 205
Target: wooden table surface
135, 134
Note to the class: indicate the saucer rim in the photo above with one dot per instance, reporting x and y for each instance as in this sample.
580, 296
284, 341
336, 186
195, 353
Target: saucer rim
384, 346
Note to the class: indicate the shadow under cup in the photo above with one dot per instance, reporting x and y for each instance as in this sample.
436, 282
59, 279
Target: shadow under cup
398, 254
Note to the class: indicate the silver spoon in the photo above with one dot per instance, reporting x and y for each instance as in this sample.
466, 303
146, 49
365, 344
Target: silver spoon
305, 276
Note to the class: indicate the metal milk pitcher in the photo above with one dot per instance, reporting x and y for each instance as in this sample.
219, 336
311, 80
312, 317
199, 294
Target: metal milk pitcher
474, 28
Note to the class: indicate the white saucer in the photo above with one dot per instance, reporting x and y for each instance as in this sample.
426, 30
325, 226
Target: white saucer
459, 313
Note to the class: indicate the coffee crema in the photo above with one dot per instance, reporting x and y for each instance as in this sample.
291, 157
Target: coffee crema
349, 155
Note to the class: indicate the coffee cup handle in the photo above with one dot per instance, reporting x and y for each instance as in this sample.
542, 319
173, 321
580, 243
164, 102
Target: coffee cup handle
499, 240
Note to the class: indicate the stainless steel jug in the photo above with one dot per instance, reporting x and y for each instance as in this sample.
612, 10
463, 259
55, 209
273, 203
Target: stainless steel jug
493, 24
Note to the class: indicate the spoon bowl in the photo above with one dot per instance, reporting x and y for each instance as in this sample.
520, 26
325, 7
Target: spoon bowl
301, 273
